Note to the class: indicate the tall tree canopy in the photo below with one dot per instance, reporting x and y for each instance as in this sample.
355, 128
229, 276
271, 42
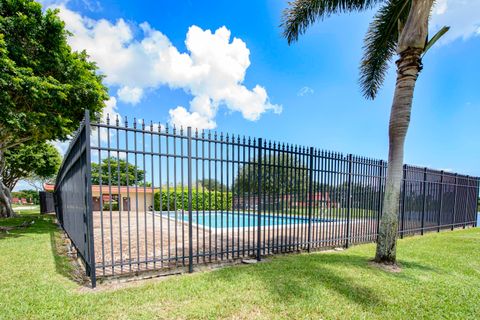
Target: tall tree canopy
117, 171
399, 26
45, 87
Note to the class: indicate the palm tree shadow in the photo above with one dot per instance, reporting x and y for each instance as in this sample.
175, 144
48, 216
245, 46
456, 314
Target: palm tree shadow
309, 272
293, 278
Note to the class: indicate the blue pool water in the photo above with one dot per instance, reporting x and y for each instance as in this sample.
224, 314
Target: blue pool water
240, 220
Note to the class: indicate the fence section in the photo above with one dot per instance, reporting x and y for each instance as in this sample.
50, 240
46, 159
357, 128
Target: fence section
73, 198
47, 204
167, 198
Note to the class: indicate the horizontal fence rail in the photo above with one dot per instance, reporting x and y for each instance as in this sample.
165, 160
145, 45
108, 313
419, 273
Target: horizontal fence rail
148, 197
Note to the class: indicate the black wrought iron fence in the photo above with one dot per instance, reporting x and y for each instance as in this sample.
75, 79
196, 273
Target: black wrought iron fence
73, 197
141, 197
47, 204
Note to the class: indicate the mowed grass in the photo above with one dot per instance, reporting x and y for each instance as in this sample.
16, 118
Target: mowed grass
440, 279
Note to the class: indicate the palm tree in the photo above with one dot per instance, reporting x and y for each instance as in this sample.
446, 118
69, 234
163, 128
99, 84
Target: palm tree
399, 26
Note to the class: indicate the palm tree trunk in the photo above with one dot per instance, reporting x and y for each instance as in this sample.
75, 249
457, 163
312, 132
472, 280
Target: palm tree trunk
410, 47
408, 68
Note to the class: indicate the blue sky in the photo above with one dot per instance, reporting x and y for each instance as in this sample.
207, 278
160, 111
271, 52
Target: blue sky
314, 82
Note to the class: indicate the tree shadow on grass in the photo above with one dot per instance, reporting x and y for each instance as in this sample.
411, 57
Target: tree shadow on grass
25, 224
296, 278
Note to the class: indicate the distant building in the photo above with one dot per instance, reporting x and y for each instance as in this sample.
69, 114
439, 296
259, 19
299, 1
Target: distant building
131, 197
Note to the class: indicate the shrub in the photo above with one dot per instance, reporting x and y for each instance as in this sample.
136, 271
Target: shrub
106, 206
207, 200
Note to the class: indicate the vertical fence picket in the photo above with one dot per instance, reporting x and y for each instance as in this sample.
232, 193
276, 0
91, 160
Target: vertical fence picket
190, 221
467, 188
349, 201
440, 209
454, 201
379, 198
259, 197
424, 203
310, 198
475, 205
404, 203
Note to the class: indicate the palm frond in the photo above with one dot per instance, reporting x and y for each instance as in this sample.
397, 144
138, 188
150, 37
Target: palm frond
300, 14
435, 38
380, 44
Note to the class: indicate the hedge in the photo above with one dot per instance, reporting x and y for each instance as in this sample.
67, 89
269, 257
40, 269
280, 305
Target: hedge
207, 200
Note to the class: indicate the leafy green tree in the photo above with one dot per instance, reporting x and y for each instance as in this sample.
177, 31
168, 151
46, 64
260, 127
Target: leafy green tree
26, 161
30, 161
212, 184
339, 193
292, 176
399, 26
120, 171
45, 87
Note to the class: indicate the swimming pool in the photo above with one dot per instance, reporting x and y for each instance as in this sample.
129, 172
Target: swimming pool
240, 219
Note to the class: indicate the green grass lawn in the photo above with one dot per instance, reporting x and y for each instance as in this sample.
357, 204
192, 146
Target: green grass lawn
440, 279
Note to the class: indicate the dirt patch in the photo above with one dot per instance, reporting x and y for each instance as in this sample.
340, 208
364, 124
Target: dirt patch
392, 268
66, 259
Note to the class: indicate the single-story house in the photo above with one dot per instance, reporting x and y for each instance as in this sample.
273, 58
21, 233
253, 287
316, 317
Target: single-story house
131, 197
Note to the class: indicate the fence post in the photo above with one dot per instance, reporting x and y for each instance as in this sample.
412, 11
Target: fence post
349, 200
404, 196
88, 199
259, 196
466, 202
379, 198
190, 229
477, 191
310, 199
454, 202
439, 218
424, 204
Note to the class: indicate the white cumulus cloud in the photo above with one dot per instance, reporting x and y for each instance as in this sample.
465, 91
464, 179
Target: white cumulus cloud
212, 70
61, 146
181, 117
110, 110
463, 17
130, 95
440, 7
305, 91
